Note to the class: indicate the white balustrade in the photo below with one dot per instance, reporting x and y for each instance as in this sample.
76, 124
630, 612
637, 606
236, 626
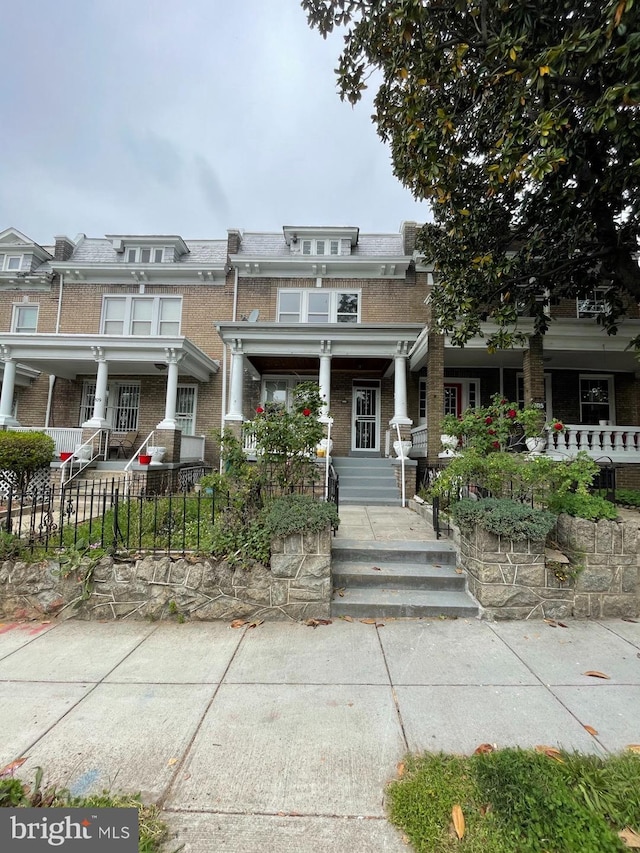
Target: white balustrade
66, 438
619, 443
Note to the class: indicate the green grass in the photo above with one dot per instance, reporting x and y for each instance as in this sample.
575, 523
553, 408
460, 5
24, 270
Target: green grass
17, 793
517, 800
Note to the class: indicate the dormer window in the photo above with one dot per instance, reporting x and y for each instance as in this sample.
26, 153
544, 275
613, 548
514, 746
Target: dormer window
145, 255
320, 247
10, 263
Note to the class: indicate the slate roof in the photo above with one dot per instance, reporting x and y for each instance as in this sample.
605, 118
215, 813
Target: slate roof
272, 245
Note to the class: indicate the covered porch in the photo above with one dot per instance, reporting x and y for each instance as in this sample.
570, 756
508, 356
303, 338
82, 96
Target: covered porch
112, 386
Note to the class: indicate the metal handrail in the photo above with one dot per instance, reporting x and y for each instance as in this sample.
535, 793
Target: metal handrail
67, 465
327, 460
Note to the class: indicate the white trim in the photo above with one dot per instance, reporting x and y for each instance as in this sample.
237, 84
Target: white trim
129, 301
20, 306
612, 397
306, 294
137, 254
367, 384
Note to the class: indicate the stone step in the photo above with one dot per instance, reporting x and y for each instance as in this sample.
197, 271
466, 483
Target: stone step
350, 574
370, 501
396, 551
379, 602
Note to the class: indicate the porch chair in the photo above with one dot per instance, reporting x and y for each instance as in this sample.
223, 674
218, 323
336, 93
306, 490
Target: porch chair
123, 444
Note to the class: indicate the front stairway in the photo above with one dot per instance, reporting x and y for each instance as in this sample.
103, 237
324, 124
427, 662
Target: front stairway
366, 481
383, 579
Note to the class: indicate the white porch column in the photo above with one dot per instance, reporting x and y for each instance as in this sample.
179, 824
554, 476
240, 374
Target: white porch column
98, 420
169, 420
400, 415
325, 379
8, 387
237, 380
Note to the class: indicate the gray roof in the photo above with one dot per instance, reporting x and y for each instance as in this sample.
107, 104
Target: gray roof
97, 250
270, 245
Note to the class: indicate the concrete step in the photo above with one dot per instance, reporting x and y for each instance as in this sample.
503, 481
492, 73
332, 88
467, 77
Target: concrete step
379, 602
365, 492
351, 574
392, 551
370, 501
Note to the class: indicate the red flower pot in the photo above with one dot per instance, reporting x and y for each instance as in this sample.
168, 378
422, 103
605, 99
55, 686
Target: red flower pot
144, 459
65, 455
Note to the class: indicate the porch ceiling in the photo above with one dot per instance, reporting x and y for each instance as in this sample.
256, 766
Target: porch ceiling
309, 366
69, 356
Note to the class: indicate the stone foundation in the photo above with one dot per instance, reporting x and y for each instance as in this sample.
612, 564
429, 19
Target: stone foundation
296, 586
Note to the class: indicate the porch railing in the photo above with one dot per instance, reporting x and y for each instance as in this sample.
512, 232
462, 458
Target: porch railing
619, 443
191, 447
66, 438
419, 441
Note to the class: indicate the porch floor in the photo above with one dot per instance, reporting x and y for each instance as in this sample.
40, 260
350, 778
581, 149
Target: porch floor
384, 523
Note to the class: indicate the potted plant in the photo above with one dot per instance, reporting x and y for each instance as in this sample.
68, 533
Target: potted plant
65, 454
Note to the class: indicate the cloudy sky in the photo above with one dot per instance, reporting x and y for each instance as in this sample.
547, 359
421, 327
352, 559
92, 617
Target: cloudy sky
158, 116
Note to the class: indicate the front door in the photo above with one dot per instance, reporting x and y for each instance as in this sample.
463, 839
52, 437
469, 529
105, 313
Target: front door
453, 399
366, 416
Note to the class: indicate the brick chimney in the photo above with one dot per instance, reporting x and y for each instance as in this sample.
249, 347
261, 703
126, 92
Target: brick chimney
234, 238
64, 248
408, 231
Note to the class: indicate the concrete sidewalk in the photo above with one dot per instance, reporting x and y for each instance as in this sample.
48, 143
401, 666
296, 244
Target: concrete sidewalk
282, 737
383, 523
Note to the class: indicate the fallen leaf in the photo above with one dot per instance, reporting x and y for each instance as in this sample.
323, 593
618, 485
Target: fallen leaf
379, 624
551, 623
458, 820
630, 837
550, 752
172, 761
376, 568
313, 623
595, 674
340, 592
238, 623
368, 621
633, 747
628, 619
591, 730
437, 566
562, 625
347, 618
484, 748
400, 768
458, 571
255, 623
9, 768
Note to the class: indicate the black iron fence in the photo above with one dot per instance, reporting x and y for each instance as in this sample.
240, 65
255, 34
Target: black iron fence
109, 515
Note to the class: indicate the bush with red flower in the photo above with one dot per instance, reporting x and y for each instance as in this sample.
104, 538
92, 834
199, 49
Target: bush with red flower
286, 440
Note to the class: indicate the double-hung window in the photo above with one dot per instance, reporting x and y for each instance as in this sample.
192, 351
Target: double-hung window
25, 318
596, 399
318, 306
321, 247
141, 315
593, 303
10, 263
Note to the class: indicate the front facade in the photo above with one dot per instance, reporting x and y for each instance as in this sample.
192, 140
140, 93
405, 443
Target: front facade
165, 339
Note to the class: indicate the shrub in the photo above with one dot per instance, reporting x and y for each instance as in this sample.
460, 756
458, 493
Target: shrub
298, 514
583, 506
628, 497
23, 453
504, 518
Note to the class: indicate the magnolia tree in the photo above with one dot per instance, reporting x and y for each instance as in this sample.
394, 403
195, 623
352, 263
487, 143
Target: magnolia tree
519, 122
286, 441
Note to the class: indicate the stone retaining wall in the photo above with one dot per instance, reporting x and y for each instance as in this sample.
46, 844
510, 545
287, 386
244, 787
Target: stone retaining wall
297, 586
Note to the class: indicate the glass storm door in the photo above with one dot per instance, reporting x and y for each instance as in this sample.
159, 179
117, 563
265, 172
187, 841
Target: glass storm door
366, 418
453, 399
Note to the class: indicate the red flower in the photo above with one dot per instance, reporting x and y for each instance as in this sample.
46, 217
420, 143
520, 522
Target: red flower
503, 402
491, 431
496, 444
488, 420
259, 410
306, 412
558, 426
511, 413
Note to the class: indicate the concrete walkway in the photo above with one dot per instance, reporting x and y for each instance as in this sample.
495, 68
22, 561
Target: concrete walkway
283, 737
383, 522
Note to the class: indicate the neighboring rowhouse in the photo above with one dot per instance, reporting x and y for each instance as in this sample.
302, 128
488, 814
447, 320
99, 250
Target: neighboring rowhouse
156, 333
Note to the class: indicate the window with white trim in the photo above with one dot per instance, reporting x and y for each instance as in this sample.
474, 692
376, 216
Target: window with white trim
321, 247
594, 303
144, 255
10, 263
123, 404
186, 397
318, 306
278, 391
596, 399
25, 318
141, 315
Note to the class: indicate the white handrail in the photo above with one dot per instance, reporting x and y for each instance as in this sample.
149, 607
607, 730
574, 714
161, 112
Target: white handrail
327, 458
134, 456
404, 497
67, 465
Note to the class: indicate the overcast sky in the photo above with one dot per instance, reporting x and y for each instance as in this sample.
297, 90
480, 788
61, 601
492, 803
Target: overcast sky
190, 117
